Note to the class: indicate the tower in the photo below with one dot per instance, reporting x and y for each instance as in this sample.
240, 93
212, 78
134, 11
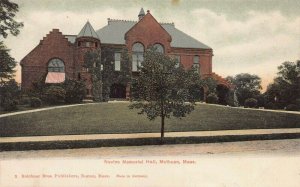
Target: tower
86, 40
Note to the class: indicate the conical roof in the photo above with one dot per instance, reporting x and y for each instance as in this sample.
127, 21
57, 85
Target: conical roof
87, 31
142, 12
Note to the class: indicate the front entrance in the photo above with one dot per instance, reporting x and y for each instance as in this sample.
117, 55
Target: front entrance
117, 91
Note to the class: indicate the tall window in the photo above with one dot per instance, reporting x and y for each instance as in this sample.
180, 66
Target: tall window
56, 65
159, 48
117, 61
137, 55
196, 64
177, 58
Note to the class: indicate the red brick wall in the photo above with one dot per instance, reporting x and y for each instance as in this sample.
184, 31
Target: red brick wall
35, 64
187, 58
148, 32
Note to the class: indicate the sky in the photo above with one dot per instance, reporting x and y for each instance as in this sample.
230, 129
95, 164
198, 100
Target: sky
247, 36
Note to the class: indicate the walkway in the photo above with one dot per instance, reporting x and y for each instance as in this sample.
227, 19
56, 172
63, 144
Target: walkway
148, 135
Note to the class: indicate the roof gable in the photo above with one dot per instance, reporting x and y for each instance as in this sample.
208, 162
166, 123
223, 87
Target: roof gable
142, 27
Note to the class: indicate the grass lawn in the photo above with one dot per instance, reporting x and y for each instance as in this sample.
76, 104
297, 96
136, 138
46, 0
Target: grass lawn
117, 118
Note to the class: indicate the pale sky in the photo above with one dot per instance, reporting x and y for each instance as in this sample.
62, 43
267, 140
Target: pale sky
247, 36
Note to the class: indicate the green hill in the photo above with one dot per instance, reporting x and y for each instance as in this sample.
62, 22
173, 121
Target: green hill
118, 118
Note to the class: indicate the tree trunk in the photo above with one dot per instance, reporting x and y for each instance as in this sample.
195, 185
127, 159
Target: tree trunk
162, 130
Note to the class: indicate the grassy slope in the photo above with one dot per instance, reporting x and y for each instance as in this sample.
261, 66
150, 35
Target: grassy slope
117, 118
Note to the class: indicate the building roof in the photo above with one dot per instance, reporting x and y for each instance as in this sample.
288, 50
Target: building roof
87, 31
114, 31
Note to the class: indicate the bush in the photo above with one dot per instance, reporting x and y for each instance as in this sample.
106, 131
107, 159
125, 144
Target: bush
10, 104
250, 103
75, 91
35, 102
292, 107
271, 106
24, 101
54, 95
212, 98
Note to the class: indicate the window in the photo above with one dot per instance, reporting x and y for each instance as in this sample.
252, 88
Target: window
117, 61
88, 44
159, 48
56, 65
137, 56
196, 63
177, 58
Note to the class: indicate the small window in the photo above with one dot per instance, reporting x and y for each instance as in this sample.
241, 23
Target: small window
159, 48
117, 61
56, 65
196, 63
79, 76
88, 44
79, 43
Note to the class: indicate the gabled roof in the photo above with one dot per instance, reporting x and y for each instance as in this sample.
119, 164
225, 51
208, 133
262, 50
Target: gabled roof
114, 31
87, 31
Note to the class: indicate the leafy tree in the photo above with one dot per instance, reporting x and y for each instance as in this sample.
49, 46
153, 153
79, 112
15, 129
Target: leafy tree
246, 86
286, 87
8, 11
7, 64
162, 89
9, 93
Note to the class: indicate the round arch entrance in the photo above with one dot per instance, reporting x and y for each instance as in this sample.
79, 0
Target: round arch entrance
118, 91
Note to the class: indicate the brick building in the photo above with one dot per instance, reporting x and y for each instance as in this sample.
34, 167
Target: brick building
60, 56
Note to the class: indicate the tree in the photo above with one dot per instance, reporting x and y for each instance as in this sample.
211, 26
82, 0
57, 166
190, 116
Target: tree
9, 92
8, 11
162, 90
246, 86
286, 87
7, 64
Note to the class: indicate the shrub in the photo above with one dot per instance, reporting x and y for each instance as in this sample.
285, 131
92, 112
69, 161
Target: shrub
271, 105
250, 103
35, 102
75, 91
212, 98
54, 95
292, 107
24, 100
10, 104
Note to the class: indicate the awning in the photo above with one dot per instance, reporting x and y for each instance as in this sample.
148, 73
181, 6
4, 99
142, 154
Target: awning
55, 77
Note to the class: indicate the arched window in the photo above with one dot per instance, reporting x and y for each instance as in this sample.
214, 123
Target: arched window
159, 48
56, 65
196, 63
137, 55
